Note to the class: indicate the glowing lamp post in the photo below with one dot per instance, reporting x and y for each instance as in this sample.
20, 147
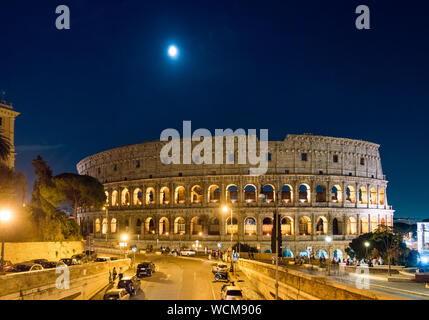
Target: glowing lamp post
328, 240
366, 244
5, 216
123, 244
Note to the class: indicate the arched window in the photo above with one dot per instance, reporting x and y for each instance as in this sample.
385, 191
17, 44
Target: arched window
231, 227
336, 194
138, 226
150, 195
214, 229
104, 230
97, 225
364, 225
304, 193
363, 195
164, 226
373, 196
115, 198
350, 194
107, 198
113, 225
196, 226
150, 226
179, 195
374, 224
267, 226
179, 226
268, 193
321, 254
232, 193
250, 193
320, 194
249, 226
322, 226
125, 197
137, 197
214, 193
304, 226
287, 226
164, 195
287, 195
196, 194
351, 226
335, 227
381, 196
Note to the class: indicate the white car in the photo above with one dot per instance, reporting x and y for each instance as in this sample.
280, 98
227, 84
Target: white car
116, 294
187, 253
219, 267
231, 293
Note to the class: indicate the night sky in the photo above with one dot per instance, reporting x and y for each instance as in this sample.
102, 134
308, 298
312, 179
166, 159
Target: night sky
288, 66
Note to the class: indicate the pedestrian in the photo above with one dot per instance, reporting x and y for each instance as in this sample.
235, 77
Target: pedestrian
121, 274
114, 274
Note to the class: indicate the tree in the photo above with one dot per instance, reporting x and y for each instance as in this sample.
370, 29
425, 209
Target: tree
274, 235
5, 147
244, 247
390, 241
12, 186
75, 190
357, 246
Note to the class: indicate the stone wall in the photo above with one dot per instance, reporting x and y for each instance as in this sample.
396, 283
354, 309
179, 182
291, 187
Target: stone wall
85, 281
53, 251
295, 285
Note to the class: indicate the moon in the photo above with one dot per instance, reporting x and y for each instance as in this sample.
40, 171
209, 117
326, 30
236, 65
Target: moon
173, 51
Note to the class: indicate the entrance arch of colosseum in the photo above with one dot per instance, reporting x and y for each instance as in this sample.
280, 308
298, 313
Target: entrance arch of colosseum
287, 193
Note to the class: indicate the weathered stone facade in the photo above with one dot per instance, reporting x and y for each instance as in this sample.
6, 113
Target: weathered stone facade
321, 186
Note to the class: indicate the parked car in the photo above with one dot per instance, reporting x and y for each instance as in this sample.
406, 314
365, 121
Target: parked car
187, 252
145, 269
80, 258
7, 265
114, 258
131, 284
219, 267
67, 261
91, 255
102, 259
26, 266
116, 294
45, 263
231, 293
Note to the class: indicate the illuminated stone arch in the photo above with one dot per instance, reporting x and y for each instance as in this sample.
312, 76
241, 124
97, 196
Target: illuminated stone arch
232, 193
213, 193
137, 197
150, 226
304, 226
179, 225
196, 194
250, 193
364, 228
164, 195
373, 195
304, 193
164, 226
320, 193
231, 226
107, 198
104, 226
287, 193
214, 226
350, 194
287, 226
351, 226
336, 193
374, 224
125, 197
322, 225
97, 225
363, 195
196, 226
179, 195
250, 226
267, 226
150, 195
268, 192
113, 225
115, 201
381, 196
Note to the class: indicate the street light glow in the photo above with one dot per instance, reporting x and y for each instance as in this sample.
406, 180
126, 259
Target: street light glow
366, 244
173, 51
328, 239
124, 237
225, 209
5, 215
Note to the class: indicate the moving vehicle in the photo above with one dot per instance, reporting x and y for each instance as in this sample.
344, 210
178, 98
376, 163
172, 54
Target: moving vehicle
187, 253
219, 267
145, 269
116, 294
131, 284
7, 265
231, 293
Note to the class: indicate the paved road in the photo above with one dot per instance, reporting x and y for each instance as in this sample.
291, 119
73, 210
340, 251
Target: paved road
181, 278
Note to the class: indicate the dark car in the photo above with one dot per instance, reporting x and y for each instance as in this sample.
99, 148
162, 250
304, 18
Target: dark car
45, 263
80, 258
26, 266
131, 284
7, 265
145, 269
91, 255
67, 261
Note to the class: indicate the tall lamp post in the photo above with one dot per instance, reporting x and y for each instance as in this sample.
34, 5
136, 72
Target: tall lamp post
5, 216
124, 238
328, 240
225, 210
366, 249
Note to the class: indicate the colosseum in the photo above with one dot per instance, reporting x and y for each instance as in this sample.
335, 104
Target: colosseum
320, 185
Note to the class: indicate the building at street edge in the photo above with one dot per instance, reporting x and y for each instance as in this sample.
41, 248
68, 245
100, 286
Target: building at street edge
320, 185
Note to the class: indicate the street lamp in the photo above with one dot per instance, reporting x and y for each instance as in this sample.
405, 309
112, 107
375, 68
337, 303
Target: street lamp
366, 244
5, 216
124, 238
328, 239
225, 210
107, 220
